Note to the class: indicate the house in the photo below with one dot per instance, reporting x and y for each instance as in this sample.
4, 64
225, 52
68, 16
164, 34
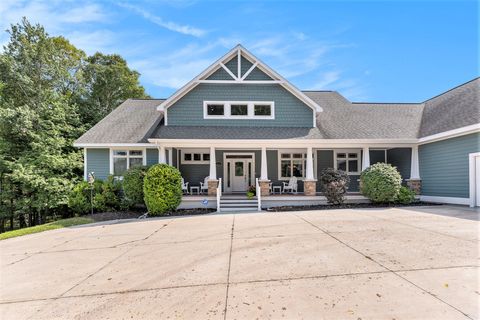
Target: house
239, 122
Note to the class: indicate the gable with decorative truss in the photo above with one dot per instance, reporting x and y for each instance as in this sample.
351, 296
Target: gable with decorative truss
242, 70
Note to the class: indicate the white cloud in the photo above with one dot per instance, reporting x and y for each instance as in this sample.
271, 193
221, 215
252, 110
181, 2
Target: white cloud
91, 42
172, 26
327, 79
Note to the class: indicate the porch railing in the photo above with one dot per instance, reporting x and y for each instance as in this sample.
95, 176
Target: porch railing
219, 193
259, 194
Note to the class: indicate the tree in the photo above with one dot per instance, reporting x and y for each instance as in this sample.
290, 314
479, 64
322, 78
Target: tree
109, 82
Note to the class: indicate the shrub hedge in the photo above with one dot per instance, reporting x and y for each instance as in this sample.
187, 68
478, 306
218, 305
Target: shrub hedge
334, 185
162, 188
380, 183
133, 185
405, 195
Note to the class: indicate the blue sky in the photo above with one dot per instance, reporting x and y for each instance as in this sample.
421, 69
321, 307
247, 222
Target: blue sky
381, 51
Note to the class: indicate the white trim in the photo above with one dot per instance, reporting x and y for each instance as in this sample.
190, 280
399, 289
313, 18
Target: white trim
347, 151
472, 179
200, 151
144, 156
414, 165
241, 81
239, 51
213, 165
239, 63
115, 145
450, 200
85, 173
365, 158
249, 70
227, 111
228, 71
225, 178
284, 143
450, 134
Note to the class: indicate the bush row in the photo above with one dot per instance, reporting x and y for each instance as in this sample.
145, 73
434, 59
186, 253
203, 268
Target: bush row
158, 187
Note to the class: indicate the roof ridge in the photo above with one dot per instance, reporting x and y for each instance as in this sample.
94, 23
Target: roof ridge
460, 85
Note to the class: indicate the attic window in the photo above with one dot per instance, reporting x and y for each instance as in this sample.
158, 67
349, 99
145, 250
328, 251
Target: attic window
255, 110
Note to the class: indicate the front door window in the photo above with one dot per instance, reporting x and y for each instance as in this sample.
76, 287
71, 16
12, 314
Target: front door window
239, 173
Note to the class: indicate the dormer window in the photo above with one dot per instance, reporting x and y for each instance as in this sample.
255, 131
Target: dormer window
254, 110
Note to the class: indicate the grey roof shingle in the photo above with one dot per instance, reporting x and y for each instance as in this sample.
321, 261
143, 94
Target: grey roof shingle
244, 133
131, 122
342, 119
134, 121
456, 108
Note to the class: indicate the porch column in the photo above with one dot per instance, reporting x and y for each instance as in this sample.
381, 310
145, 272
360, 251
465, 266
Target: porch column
161, 154
212, 180
365, 158
170, 156
264, 182
309, 184
415, 182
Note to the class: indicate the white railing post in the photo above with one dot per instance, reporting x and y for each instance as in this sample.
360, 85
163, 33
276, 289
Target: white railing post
219, 193
259, 194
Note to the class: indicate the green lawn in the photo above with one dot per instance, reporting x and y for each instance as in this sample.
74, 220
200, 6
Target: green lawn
47, 226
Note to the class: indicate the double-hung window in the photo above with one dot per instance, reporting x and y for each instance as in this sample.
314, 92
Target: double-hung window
292, 164
126, 159
255, 110
348, 161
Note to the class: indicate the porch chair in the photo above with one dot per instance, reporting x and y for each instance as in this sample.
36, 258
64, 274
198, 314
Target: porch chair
184, 186
204, 185
291, 186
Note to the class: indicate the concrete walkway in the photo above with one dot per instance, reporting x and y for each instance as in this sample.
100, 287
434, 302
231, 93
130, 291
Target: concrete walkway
412, 263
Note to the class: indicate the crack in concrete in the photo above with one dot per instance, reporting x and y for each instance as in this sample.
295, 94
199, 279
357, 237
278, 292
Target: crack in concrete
225, 283
228, 273
104, 266
383, 266
424, 229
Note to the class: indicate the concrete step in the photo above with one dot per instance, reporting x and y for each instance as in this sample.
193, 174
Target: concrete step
238, 205
238, 201
239, 209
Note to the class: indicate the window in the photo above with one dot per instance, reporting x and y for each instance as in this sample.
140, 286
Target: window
126, 159
293, 165
263, 110
348, 161
191, 156
215, 109
238, 110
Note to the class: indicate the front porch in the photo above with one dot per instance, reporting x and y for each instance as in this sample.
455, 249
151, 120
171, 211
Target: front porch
222, 171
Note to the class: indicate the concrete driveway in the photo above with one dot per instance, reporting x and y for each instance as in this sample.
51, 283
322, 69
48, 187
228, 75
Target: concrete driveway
412, 263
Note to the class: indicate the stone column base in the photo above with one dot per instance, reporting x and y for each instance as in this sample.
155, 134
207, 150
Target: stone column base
264, 187
212, 187
310, 187
415, 185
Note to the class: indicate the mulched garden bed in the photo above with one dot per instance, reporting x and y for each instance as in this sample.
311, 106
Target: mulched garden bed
118, 215
350, 206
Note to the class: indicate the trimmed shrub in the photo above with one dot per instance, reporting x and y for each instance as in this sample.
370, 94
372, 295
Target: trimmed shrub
107, 195
405, 195
162, 189
334, 185
133, 185
380, 183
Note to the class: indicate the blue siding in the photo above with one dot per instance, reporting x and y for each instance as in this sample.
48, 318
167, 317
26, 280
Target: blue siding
400, 158
194, 173
289, 110
220, 74
152, 157
444, 166
98, 162
257, 74
232, 65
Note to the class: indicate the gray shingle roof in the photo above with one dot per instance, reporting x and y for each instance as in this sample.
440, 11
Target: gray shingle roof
456, 108
200, 132
342, 119
131, 122
134, 121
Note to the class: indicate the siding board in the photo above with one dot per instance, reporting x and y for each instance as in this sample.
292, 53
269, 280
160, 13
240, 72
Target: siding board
98, 162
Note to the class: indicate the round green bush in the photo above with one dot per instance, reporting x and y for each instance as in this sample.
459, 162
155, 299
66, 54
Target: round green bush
381, 183
106, 196
162, 189
133, 185
405, 195
334, 185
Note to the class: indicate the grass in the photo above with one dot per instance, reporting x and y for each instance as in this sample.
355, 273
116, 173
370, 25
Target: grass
45, 227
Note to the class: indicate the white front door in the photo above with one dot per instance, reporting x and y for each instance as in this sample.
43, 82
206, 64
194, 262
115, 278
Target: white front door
239, 172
